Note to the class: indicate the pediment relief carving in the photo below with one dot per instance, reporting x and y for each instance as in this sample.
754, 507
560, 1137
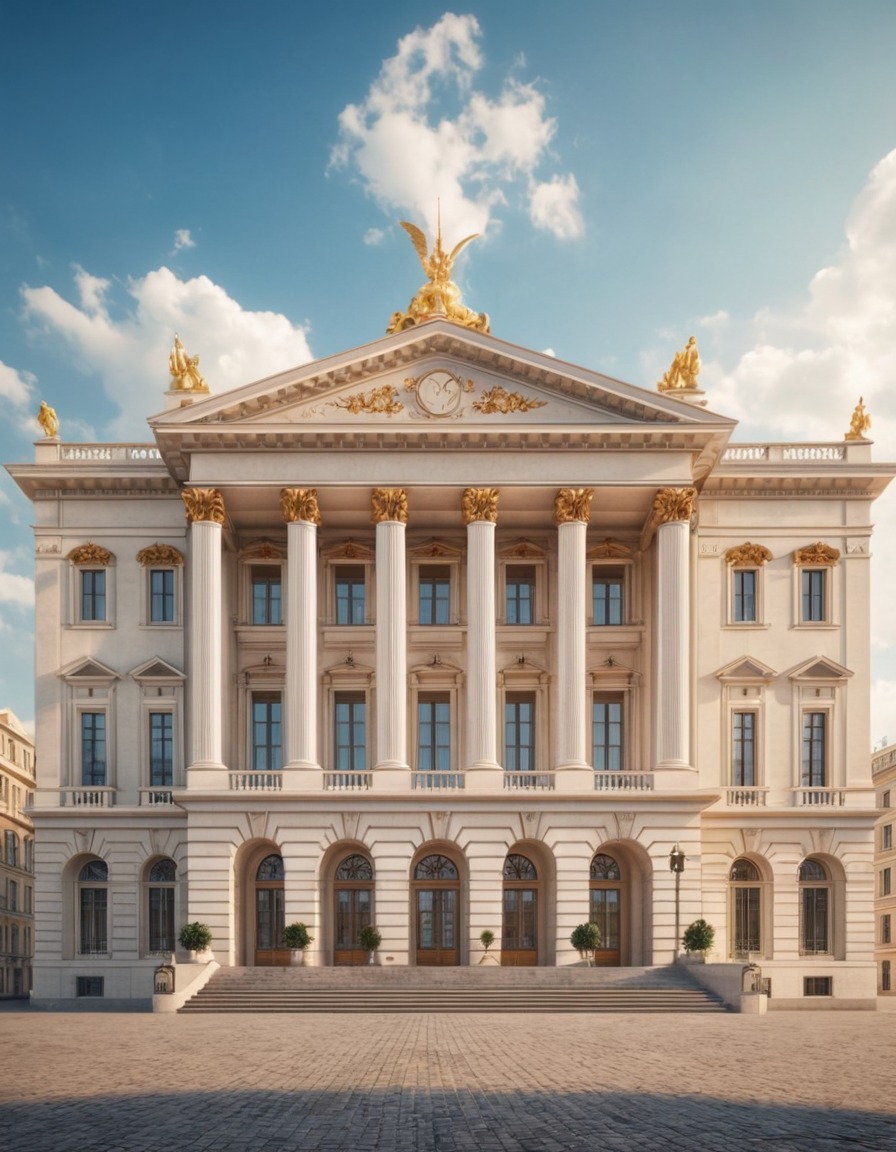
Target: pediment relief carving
818, 553
264, 549
349, 550
522, 549
610, 549
436, 550
160, 556
748, 556
92, 555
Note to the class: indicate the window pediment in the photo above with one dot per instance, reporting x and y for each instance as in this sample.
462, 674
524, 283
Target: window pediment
820, 669
157, 671
435, 550
816, 554
263, 550
746, 669
522, 549
610, 549
350, 550
88, 671
91, 555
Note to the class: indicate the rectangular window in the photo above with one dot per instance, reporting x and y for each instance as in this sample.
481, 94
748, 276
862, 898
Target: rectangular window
606, 596
266, 605
885, 985
90, 986
815, 937
743, 749
886, 836
519, 732
93, 594
812, 584
606, 733
814, 751
351, 596
10, 838
161, 596
161, 919
885, 800
93, 921
161, 749
351, 732
817, 986
520, 594
435, 594
267, 738
12, 895
434, 734
93, 749
886, 932
885, 879
743, 595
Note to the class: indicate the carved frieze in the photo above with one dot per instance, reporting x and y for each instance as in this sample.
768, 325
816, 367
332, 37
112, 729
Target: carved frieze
748, 556
159, 556
499, 400
203, 504
389, 504
817, 553
480, 504
299, 504
379, 401
91, 554
673, 504
573, 504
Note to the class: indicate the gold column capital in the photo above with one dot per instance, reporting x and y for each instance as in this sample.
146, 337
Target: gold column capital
480, 504
389, 504
299, 504
203, 504
571, 504
671, 504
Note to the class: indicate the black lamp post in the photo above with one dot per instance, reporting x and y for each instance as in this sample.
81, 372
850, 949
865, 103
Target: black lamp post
676, 865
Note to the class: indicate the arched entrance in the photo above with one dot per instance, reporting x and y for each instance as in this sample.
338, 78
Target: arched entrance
353, 908
269, 918
519, 934
436, 894
606, 908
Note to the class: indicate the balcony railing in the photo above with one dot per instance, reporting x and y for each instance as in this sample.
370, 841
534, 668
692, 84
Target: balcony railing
347, 781
437, 780
87, 797
778, 453
819, 797
623, 781
255, 781
130, 453
528, 781
155, 797
746, 797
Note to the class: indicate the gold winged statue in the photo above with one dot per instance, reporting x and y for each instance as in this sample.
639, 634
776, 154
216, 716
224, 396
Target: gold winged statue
440, 296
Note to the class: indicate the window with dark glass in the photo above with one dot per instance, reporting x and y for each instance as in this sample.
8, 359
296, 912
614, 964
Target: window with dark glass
267, 737
886, 837
93, 594
435, 594
161, 906
161, 749
743, 749
93, 749
815, 908
814, 750
743, 595
519, 732
161, 596
266, 595
434, 733
812, 584
885, 880
606, 733
606, 595
93, 906
885, 977
746, 896
351, 732
351, 595
520, 594
886, 934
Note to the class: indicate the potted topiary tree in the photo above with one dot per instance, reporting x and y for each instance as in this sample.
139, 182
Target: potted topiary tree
196, 938
296, 938
370, 940
486, 939
698, 937
585, 939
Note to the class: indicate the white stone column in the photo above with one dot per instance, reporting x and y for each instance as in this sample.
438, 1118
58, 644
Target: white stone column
300, 510
205, 513
389, 511
480, 512
572, 510
673, 508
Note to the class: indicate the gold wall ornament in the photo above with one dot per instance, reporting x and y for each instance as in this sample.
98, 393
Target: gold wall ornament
184, 370
573, 504
382, 401
159, 555
439, 392
499, 400
389, 504
748, 555
480, 504
610, 548
859, 422
818, 553
673, 504
92, 554
440, 297
48, 420
684, 370
300, 504
203, 504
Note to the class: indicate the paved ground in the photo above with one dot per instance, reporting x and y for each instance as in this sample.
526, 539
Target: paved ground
800, 1082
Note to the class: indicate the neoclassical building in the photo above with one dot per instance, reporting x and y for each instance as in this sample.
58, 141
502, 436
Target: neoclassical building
446, 635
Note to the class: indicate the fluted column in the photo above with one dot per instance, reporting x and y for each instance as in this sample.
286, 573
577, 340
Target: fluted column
572, 511
205, 514
480, 513
389, 511
300, 511
673, 508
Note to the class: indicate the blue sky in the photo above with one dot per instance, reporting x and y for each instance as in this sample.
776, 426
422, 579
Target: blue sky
640, 172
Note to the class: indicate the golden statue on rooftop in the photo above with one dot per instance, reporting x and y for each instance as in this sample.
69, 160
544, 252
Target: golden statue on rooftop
48, 420
440, 296
684, 370
184, 370
859, 422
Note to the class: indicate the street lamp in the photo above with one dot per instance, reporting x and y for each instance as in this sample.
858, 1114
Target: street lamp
676, 866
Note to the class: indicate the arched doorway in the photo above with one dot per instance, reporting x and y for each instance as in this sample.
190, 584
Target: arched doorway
606, 908
269, 918
353, 910
436, 893
519, 934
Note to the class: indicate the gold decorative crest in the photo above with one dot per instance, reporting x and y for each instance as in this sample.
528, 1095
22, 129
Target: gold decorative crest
440, 296
480, 504
684, 370
379, 401
748, 555
389, 504
818, 553
673, 504
299, 504
571, 504
859, 422
203, 504
499, 400
91, 554
159, 555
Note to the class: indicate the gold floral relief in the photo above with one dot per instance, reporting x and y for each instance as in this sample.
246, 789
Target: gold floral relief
389, 504
160, 555
299, 504
499, 400
480, 504
203, 504
748, 555
817, 553
673, 504
609, 548
573, 504
91, 554
379, 401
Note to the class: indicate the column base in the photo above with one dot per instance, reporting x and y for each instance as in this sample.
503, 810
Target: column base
483, 776
207, 776
575, 777
390, 776
302, 776
674, 776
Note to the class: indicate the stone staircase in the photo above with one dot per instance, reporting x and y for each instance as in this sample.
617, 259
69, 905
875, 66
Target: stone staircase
476, 989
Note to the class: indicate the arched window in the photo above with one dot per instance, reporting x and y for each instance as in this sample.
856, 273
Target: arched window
355, 867
815, 908
269, 910
746, 899
354, 907
271, 868
605, 907
93, 902
436, 895
518, 867
160, 905
435, 868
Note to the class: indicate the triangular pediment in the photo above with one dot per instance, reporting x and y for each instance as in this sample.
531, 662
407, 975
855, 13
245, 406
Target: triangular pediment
88, 671
157, 670
744, 669
820, 668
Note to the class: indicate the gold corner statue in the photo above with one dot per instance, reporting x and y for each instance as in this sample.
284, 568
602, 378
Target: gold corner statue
184, 370
440, 296
48, 420
684, 370
859, 422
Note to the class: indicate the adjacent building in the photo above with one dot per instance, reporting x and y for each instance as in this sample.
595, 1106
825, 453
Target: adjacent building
883, 770
17, 860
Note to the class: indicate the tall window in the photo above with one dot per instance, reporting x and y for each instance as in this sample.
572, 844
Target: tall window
351, 732
886, 837
886, 931
351, 597
814, 750
885, 881
606, 732
93, 749
267, 737
11, 848
743, 749
435, 594
606, 595
434, 734
519, 732
885, 979
743, 595
93, 594
746, 898
161, 906
815, 908
93, 906
520, 594
161, 596
266, 598
161, 749
813, 587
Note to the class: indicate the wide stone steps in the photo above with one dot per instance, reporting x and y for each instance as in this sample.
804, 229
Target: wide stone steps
452, 990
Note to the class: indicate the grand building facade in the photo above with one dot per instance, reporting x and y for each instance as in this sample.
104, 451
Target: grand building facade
447, 635
17, 859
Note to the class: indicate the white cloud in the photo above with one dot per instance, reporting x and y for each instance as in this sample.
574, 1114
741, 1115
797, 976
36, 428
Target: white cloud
183, 239
373, 237
718, 319
16, 388
130, 354
423, 133
15, 590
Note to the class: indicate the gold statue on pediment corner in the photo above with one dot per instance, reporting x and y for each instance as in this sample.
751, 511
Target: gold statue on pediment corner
184, 370
48, 420
859, 422
684, 370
